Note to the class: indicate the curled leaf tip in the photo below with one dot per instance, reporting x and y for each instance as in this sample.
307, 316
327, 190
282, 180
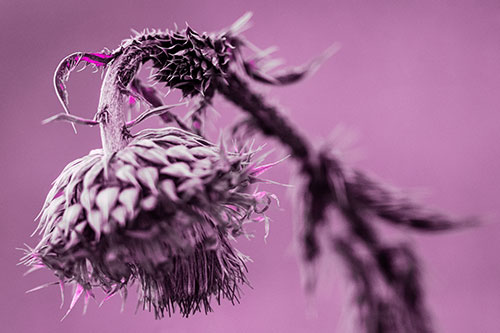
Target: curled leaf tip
67, 65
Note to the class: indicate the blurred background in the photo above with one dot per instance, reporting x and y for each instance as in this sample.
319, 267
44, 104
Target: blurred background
417, 82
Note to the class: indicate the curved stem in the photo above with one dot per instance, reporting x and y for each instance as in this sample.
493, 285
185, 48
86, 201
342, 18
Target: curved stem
110, 114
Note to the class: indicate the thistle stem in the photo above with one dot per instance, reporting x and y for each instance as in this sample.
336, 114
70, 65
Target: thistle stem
267, 118
110, 115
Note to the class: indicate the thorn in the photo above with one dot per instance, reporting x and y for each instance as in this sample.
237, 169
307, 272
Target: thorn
61, 287
135, 32
78, 292
42, 287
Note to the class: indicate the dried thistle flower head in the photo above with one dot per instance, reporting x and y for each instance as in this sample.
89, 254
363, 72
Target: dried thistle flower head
160, 211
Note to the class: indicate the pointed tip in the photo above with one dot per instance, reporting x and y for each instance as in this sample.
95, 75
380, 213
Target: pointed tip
32, 269
64, 317
41, 287
36, 230
78, 292
108, 296
61, 288
88, 294
257, 171
137, 33
45, 122
241, 24
329, 52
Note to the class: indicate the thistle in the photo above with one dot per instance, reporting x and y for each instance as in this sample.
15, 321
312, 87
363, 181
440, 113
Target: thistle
162, 211
161, 206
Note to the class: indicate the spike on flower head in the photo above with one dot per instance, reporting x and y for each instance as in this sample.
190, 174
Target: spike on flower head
162, 215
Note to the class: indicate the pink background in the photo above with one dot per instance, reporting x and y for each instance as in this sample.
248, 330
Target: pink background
418, 81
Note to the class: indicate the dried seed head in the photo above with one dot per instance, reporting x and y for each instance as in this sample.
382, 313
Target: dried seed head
162, 215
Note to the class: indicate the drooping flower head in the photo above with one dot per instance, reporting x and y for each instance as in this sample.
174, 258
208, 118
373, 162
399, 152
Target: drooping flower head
160, 211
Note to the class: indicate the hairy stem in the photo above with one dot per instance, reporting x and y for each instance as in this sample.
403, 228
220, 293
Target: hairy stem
267, 118
110, 114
